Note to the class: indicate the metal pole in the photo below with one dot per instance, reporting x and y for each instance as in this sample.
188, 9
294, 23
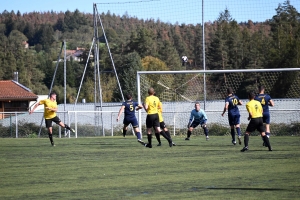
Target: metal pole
95, 70
203, 53
17, 131
65, 84
58, 59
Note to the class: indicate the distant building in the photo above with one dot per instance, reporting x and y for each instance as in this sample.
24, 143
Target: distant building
14, 97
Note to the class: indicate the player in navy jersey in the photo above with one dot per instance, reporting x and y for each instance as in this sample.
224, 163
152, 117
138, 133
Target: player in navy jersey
198, 117
231, 104
265, 101
129, 108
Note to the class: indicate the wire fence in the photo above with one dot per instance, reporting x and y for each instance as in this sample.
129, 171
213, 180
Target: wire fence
88, 123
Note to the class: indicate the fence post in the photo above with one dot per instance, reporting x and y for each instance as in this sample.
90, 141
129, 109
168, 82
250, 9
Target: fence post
75, 124
111, 122
174, 122
17, 134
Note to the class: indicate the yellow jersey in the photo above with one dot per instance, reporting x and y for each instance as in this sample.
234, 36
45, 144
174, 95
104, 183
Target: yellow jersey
161, 119
152, 102
254, 108
49, 114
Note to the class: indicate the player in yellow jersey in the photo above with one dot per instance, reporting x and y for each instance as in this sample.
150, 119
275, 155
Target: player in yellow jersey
163, 127
255, 111
151, 106
50, 109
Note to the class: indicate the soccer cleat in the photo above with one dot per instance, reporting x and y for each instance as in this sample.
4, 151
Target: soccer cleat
173, 144
148, 145
245, 149
53, 144
187, 138
72, 130
170, 144
240, 140
233, 142
159, 144
140, 141
207, 138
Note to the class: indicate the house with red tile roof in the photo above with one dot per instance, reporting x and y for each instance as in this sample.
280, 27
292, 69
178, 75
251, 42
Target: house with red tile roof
14, 97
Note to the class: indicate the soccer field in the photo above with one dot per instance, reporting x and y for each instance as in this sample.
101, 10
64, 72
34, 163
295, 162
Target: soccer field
121, 168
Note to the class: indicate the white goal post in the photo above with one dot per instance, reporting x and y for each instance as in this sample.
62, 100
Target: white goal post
179, 90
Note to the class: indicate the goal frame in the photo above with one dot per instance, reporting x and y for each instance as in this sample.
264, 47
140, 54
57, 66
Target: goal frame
204, 72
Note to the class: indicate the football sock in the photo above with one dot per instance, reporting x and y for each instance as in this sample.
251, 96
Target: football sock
124, 132
165, 136
246, 140
67, 127
138, 135
157, 137
267, 142
168, 134
51, 139
232, 134
189, 133
205, 131
149, 139
238, 130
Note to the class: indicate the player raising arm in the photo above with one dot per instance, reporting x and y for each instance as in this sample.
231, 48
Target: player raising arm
129, 116
50, 109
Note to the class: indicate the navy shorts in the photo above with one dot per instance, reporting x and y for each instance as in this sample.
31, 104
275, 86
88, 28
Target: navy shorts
132, 121
234, 119
266, 118
196, 123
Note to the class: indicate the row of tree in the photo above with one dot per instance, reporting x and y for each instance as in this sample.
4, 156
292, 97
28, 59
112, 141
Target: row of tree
138, 44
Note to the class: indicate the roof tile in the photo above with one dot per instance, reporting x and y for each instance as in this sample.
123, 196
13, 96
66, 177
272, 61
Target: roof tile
10, 89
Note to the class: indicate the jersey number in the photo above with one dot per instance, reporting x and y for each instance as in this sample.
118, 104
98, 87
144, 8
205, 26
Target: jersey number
263, 102
235, 102
131, 108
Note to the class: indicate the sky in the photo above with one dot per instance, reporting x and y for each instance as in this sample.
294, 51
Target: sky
169, 11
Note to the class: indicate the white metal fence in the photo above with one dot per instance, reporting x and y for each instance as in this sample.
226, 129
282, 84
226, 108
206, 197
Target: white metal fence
90, 123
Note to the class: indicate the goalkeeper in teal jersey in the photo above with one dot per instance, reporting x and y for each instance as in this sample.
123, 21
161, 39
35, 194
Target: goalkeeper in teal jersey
198, 117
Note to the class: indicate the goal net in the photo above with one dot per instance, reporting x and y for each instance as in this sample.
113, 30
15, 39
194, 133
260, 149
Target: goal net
179, 90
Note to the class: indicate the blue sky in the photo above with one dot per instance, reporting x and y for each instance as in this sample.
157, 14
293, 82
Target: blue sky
189, 11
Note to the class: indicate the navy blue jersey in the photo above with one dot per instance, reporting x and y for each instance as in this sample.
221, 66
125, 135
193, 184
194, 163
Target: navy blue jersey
129, 109
264, 99
232, 101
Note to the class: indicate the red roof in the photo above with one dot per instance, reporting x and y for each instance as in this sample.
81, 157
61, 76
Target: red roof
12, 90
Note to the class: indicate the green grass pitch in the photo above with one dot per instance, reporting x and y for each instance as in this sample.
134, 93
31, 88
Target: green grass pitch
121, 168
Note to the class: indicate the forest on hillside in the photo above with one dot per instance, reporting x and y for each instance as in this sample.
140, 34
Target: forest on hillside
138, 44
